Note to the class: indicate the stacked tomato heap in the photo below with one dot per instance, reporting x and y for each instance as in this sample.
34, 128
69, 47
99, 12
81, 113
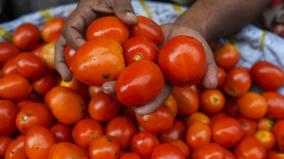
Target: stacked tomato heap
43, 117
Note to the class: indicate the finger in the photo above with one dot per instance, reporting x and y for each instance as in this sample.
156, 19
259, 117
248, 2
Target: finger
109, 87
59, 60
123, 9
211, 79
167, 29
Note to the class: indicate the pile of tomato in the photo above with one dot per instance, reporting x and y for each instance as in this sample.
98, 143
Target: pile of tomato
44, 117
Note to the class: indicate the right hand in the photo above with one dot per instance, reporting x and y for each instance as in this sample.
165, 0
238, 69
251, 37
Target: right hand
75, 26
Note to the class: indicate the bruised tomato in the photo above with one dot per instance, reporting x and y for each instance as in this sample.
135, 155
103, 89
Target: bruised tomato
275, 102
98, 61
61, 132
16, 149
266, 138
8, 113
176, 132
209, 151
183, 60
250, 147
52, 29
66, 150
4, 142
42, 85
139, 83
47, 54
227, 56
108, 27
7, 52
163, 151
198, 134
212, 101
278, 131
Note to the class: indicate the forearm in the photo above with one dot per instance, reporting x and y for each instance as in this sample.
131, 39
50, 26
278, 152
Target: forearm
215, 18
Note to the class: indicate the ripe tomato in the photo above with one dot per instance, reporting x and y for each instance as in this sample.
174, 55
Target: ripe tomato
227, 56
101, 58
103, 107
228, 154
231, 107
52, 29
10, 67
275, 155
68, 54
175, 57
66, 150
78, 87
140, 48
176, 132
209, 151
15, 87
121, 128
267, 75
237, 82
212, 101
265, 124
7, 52
163, 151
59, 99
61, 132
252, 105
198, 134
250, 147
38, 142
47, 54
275, 103
93, 90
36, 51
249, 126
108, 27
278, 132
182, 146
8, 113
266, 138
85, 131
187, 100
226, 131
143, 143
148, 28
26, 36
42, 85
198, 116
130, 155
16, 149
104, 147
32, 114
221, 77
139, 83
4, 142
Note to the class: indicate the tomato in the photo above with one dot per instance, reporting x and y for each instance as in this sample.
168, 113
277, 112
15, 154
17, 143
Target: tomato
101, 58
32, 114
275, 155
212, 101
140, 48
103, 107
14, 87
198, 134
7, 52
209, 151
52, 29
163, 151
16, 149
148, 28
143, 143
198, 116
59, 99
85, 131
68, 54
249, 126
78, 87
61, 132
275, 103
231, 107
139, 83
104, 147
93, 90
229, 154
8, 113
176, 132
226, 131
182, 146
47, 54
130, 155
4, 142
278, 132
108, 27
265, 124
266, 138
252, 105
221, 77
227, 56
237, 82
66, 150
267, 75
175, 57
122, 129
10, 67
26, 36
36, 51
187, 100
250, 147
44, 84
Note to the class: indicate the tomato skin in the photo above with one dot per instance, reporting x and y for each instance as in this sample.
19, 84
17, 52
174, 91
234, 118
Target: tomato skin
148, 28
250, 147
227, 56
275, 155
278, 132
78, 87
221, 74
85, 131
36, 51
228, 154
139, 83
237, 82
61, 132
198, 134
68, 54
199, 117
44, 84
130, 155
163, 151
265, 124
266, 138
47, 54
26, 36
8, 113
275, 103
7, 52
182, 146
249, 126
10, 67
212, 101
175, 56
268, 76
176, 132
231, 107
66, 150
209, 151
51, 30
4, 142
16, 149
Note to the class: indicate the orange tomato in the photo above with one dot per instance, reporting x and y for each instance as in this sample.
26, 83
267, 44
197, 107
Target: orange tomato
16, 149
42, 85
8, 113
4, 142
228, 154
198, 116
227, 56
212, 101
66, 150
182, 146
265, 124
167, 151
52, 29
47, 54
249, 126
250, 147
7, 52
275, 103
198, 134
266, 138
78, 87
176, 132
61, 132
209, 151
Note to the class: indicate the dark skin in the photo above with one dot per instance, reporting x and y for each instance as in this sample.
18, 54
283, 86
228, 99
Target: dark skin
206, 20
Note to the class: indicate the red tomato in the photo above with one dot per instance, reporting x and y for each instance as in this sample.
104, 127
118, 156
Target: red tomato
175, 57
52, 29
104, 147
198, 116
7, 52
176, 132
209, 151
278, 131
85, 131
93, 90
61, 132
275, 103
231, 107
68, 54
266, 138
182, 146
143, 143
265, 124
108, 27
212, 101
249, 126
267, 75
36, 51
130, 155
227, 56
44, 84
139, 83
198, 134
221, 77
275, 155
8, 113
229, 154
4, 142
16, 149
226, 131
140, 48
26, 36
237, 82
10, 67
167, 151
101, 58
66, 150
32, 114
250, 148
59, 99
103, 107
15, 87
47, 54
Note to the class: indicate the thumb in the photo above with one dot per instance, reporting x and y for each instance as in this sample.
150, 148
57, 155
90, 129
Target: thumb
123, 10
